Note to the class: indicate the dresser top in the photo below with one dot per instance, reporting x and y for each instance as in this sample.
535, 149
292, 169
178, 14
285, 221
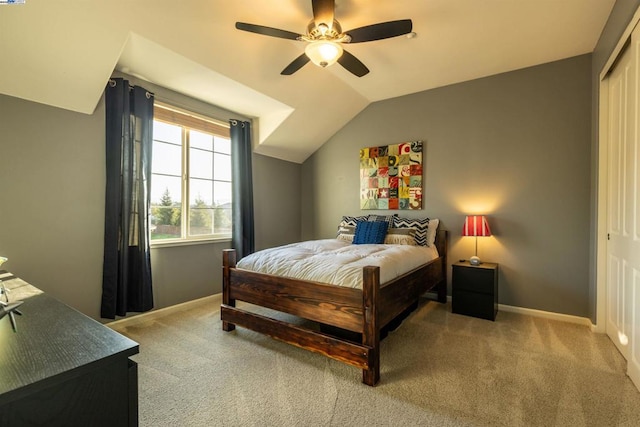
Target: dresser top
53, 342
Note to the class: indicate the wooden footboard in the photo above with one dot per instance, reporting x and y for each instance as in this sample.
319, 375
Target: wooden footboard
363, 311
346, 308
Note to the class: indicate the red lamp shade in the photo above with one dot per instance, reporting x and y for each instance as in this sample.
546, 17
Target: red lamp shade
476, 225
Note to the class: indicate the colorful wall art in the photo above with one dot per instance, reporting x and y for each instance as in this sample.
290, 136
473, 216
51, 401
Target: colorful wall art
391, 176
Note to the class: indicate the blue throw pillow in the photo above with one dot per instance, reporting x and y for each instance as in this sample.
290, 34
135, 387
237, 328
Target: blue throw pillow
368, 232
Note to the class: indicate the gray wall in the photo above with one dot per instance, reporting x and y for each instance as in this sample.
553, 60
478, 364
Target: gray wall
620, 16
515, 146
276, 195
52, 179
52, 199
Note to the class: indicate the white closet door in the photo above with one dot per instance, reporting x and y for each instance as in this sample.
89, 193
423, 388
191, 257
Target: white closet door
623, 249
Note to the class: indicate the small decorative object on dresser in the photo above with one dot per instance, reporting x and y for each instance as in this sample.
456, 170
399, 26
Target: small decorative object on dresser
6, 307
474, 290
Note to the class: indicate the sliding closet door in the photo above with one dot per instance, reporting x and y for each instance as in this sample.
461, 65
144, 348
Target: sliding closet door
617, 314
623, 249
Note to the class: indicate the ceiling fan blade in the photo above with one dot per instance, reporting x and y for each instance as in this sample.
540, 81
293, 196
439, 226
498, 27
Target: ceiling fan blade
297, 63
267, 31
352, 64
323, 11
383, 30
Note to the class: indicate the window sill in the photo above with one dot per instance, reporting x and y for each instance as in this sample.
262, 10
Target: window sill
174, 243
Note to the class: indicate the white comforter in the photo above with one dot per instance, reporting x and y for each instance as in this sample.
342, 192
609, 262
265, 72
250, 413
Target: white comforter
337, 262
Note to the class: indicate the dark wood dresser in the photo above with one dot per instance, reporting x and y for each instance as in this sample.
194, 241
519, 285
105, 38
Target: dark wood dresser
62, 368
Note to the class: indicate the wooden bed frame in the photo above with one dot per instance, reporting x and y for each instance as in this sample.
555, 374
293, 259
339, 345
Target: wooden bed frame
365, 311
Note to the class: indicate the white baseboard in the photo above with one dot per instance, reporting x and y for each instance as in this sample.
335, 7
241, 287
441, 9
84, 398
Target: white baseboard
161, 312
217, 299
546, 315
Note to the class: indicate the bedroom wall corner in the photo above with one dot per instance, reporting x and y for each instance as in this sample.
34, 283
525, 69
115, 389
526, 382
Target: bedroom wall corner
620, 16
277, 189
514, 145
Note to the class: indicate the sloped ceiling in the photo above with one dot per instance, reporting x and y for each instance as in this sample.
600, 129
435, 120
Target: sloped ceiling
62, 52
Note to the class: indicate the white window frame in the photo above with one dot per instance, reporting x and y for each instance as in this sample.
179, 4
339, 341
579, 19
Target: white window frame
188, 121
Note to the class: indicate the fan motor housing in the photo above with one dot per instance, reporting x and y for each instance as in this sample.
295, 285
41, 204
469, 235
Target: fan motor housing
323, 31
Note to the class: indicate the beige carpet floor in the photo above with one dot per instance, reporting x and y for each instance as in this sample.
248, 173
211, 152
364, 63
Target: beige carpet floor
438, 368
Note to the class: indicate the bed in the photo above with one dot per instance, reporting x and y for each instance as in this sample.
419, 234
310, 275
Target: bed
365, 311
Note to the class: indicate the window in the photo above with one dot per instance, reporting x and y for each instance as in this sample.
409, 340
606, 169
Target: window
190, 177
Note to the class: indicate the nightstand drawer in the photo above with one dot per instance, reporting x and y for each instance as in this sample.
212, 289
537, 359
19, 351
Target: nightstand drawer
474, 304
475, 279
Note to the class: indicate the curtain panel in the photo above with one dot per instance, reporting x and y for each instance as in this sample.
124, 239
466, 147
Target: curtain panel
126, 279
242, 238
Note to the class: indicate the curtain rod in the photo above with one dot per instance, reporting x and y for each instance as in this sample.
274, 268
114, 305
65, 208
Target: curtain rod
148, 94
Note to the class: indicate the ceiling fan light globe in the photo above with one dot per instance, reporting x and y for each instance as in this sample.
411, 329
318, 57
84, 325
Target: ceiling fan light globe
323, 53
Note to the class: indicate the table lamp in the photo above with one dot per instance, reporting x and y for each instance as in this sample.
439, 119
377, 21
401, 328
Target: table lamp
476, 225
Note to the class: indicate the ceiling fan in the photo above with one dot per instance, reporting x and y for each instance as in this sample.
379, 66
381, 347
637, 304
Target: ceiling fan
324, 38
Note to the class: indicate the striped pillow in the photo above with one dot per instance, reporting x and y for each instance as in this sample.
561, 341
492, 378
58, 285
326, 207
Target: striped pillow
425, 229
390, 219
352, 220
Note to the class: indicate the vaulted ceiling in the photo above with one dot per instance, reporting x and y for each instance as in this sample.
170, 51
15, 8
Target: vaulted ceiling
62, 52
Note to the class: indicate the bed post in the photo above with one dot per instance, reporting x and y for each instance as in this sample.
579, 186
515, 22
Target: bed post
228, 262
371, 329
441, 245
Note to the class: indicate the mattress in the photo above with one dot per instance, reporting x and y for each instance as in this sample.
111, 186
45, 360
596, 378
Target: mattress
337, 262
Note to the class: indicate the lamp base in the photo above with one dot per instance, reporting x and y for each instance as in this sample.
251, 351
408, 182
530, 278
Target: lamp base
474, 260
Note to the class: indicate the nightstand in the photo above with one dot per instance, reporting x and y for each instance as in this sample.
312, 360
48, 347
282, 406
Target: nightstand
474, 289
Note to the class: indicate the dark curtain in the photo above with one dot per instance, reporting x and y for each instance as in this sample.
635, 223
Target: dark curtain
126, 276
242, 238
